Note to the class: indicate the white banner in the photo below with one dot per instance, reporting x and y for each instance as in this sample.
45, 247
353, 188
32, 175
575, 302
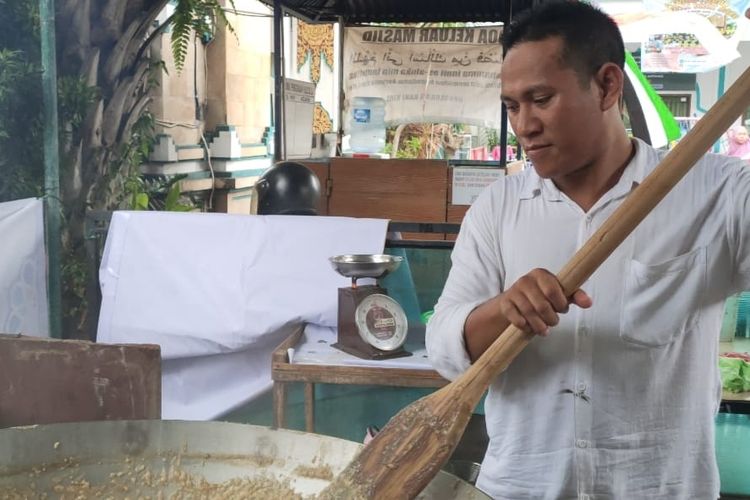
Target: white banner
696, 37
442, 75
682, 42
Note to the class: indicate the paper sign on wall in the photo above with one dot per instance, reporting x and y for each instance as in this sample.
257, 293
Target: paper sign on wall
299, 104
468, 183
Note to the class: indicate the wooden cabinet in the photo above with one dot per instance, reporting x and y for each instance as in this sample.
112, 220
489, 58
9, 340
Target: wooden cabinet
400, 190
321, 169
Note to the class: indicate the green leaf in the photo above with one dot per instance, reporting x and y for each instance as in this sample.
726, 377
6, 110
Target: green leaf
173, 196
192, 17
140, 201
172, 203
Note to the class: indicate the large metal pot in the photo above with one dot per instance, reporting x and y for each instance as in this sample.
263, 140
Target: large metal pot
147, 458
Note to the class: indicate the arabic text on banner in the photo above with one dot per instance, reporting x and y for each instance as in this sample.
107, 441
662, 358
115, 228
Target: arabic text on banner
444, 75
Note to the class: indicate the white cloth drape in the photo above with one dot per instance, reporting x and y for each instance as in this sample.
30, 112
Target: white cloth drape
219, 292
23, 273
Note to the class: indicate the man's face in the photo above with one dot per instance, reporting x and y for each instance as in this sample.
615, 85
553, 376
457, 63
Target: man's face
556, 119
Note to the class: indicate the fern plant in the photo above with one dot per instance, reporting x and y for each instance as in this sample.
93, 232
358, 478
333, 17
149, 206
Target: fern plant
194, 17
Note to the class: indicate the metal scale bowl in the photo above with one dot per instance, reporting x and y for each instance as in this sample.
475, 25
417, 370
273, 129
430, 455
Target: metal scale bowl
371, 325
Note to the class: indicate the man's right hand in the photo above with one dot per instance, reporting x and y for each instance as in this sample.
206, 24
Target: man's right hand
532, 304
534, 301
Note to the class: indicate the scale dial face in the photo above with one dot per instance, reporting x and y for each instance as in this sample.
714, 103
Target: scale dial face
381, 322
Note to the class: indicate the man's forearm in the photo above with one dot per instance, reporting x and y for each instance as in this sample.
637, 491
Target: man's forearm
482, 327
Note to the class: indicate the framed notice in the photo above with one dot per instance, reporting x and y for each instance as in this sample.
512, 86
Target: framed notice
469, 182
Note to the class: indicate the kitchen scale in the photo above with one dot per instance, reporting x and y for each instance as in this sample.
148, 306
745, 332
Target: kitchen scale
371, 324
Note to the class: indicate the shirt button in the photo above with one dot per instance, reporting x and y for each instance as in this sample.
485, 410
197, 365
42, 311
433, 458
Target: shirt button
582, 443
584, 331
581, 386
588, 218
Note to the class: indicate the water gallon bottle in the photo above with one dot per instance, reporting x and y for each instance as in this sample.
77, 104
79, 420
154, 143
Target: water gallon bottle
367, 125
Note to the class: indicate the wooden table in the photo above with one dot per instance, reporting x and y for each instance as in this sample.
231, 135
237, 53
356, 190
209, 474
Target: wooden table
727, 396
284, 372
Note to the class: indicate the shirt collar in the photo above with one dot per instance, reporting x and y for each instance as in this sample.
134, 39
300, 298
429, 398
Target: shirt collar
634, 172
632, 176
636, 169
532, 184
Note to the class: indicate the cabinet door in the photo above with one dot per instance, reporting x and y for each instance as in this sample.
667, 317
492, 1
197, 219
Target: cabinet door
400, 190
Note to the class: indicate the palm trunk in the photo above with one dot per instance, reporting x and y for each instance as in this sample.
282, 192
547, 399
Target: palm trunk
99, 42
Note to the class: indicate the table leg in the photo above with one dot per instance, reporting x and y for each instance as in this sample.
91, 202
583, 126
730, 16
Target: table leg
279, 404
309, 407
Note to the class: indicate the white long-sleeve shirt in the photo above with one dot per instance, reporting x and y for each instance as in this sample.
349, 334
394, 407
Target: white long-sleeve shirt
619, 401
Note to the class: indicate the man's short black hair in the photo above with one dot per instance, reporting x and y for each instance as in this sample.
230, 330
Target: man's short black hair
590, 37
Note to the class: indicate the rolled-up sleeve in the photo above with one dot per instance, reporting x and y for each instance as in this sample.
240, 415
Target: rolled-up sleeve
476, 275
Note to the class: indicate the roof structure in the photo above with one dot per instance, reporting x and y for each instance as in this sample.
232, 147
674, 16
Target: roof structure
404, 11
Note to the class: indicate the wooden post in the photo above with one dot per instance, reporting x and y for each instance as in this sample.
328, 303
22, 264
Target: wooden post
309, 407
279, 405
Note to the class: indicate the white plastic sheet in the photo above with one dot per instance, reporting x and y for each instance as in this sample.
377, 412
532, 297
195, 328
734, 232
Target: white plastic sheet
23, 284
219, 292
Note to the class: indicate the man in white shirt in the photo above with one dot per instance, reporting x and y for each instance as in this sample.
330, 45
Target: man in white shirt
618, 399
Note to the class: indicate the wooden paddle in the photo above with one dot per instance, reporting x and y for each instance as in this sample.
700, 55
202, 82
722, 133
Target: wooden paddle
415, 443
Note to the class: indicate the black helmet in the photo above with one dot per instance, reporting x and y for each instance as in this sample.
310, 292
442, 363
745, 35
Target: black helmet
288, 188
